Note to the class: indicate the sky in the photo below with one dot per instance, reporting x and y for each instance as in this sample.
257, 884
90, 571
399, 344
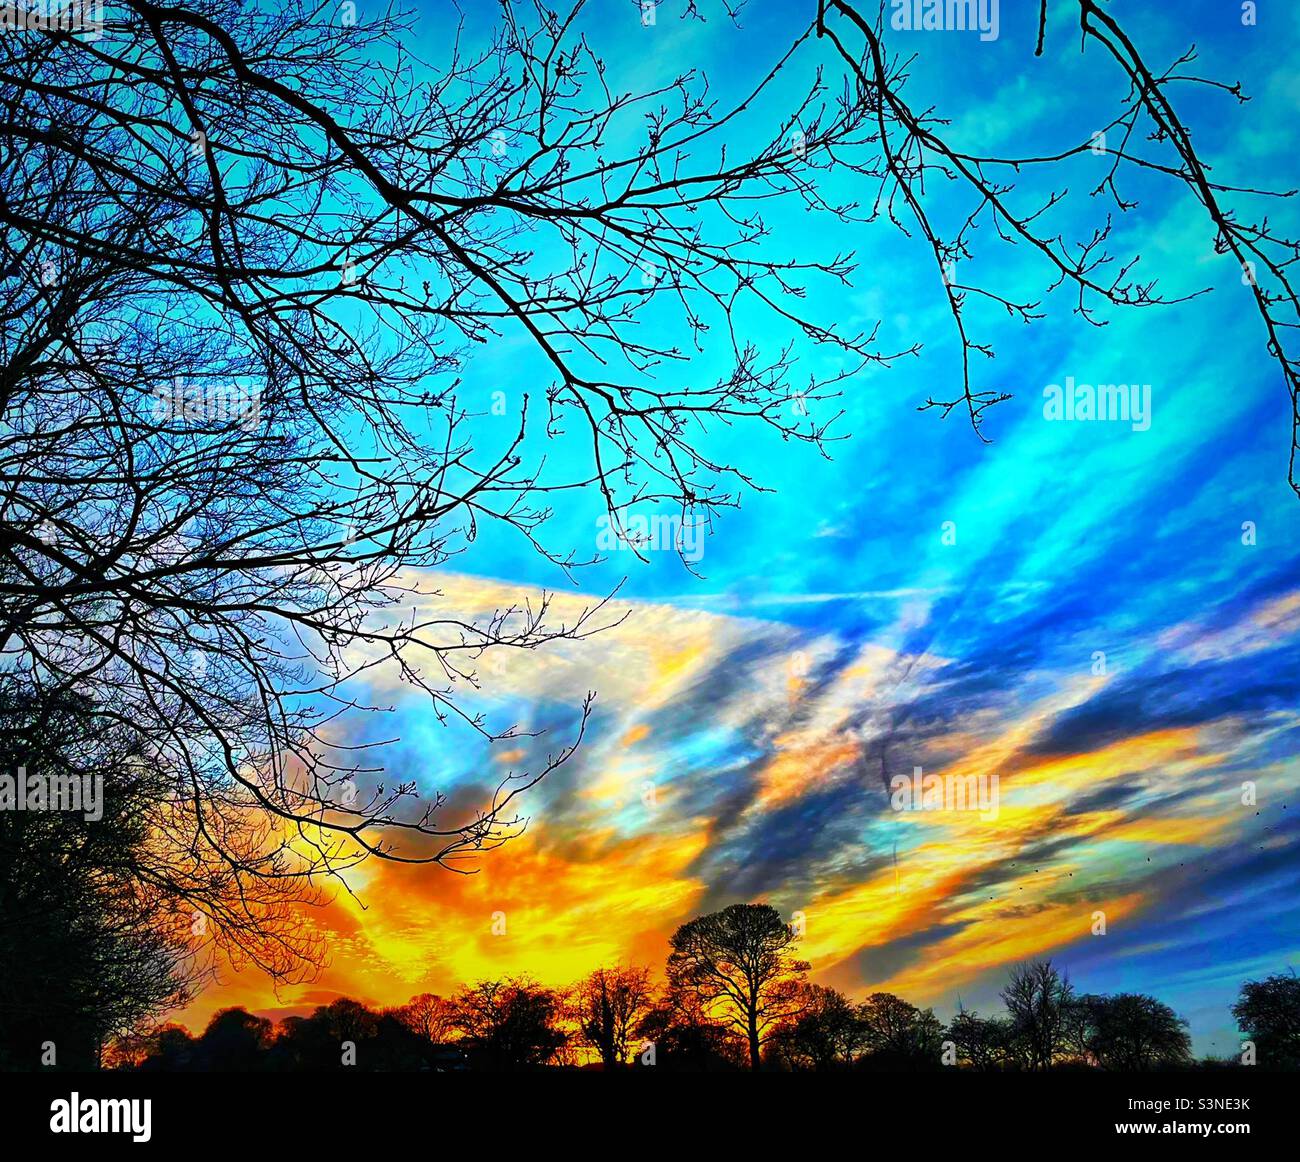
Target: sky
1072, 607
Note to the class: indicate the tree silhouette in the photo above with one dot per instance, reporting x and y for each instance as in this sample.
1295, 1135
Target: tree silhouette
429, 1016
827, 1034
1038, 1000
608, 1007
898, 1034
685, 1036
509, 1025
88, 947
739, 962
234, 1041
1131, 1032
983, 1042
168, 1049
1268, 1012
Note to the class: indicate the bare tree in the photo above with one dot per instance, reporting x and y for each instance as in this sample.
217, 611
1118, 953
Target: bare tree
681, 1031
1268, 1012
984, 1042
1038, 1000
429, 1016
608, 1007
896, 1032
1131, 1032
246, 267
740, 963
510, 1024
827, 1034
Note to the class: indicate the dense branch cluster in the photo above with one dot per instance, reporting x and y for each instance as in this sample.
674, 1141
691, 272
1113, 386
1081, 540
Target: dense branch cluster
249, 252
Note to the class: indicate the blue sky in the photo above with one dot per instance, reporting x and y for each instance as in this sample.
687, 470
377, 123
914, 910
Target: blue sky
834, 636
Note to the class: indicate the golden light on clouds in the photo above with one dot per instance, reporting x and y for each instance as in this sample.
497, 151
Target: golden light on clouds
642, 835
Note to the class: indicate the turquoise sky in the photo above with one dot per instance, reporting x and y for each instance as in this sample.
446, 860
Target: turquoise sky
1071, 538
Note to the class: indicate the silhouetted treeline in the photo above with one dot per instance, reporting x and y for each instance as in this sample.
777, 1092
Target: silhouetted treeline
734, 998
